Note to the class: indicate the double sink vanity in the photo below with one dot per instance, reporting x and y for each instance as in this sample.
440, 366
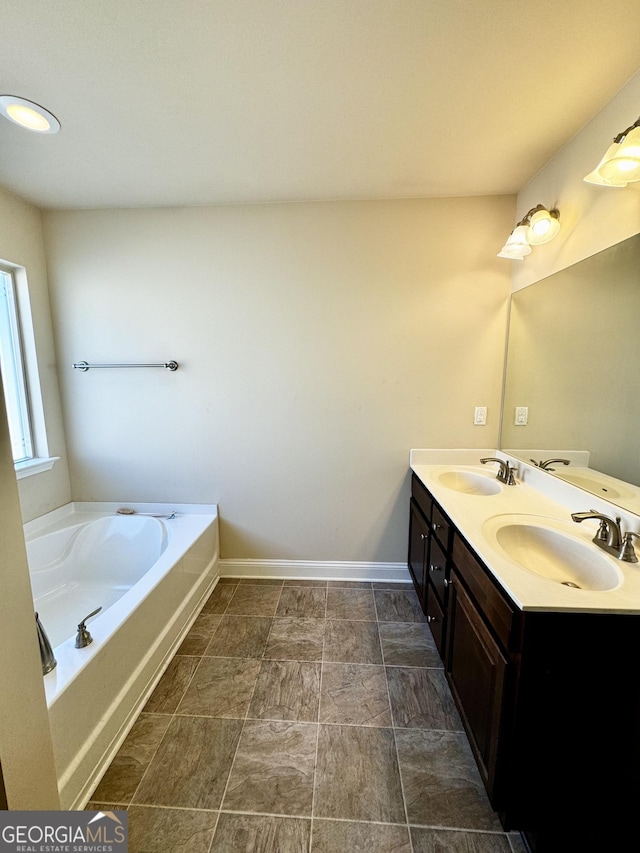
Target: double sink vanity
538, 627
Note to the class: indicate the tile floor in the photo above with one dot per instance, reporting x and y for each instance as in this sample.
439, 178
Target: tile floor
303, 716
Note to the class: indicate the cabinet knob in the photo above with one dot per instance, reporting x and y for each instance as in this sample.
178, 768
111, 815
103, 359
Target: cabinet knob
423, 536
433, 568
446, 582
432, 619
435, 526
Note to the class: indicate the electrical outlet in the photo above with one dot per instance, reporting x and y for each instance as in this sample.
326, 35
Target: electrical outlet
522, 416
480, 416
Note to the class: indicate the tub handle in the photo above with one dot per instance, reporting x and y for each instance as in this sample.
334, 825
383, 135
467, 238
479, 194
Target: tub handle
83, 637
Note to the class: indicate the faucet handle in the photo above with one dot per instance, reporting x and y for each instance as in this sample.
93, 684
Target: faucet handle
627, 552
83, 637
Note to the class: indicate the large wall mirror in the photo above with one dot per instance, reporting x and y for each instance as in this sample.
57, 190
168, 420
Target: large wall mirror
573, 360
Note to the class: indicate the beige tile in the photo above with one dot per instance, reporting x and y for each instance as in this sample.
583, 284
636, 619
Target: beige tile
123, 776
357, 775
296, 639
154, 830
239, 637
191, 767
274, 768
398, 606
171, 687
242, 833
221, 687
287, 690
254, 601
351, 604
333, 836
200, 633
354, 694
447, 841
408, 644
219, 598
420, 698
442, 785
302, 601
352, 642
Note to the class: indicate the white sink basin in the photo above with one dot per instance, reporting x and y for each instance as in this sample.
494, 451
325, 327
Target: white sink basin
544, 547
470, 482
596, 485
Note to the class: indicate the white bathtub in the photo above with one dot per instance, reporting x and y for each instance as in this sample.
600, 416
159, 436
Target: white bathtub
151, 577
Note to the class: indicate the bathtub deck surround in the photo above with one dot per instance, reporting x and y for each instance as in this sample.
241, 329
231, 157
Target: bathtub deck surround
151, 576
303, 716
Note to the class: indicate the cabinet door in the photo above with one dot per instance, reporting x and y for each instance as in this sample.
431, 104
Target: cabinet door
418, 551
476, 670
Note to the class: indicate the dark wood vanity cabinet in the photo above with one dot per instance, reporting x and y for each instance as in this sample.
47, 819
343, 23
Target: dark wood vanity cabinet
429, 549
550, 700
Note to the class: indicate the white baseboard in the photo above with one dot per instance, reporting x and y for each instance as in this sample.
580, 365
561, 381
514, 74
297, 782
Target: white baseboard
316, 570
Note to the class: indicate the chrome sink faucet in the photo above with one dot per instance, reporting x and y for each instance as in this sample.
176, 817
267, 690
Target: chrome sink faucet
505, 473
547, 462
609, 536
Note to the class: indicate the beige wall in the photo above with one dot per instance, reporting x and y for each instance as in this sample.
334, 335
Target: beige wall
21, 244
317, 344
592, 217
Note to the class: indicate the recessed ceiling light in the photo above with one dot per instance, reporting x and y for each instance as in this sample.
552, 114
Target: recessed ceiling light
27, 114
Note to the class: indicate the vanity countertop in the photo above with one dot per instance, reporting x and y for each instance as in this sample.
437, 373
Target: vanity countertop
539, 499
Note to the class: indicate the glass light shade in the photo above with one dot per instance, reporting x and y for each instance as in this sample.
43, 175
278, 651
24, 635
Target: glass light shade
625, 163
28, 114
543, 226
596, 178
517, 246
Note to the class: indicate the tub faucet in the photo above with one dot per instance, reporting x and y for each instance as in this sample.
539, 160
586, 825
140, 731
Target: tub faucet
547, 462
505, 473
46, 652
609, 536
83, 637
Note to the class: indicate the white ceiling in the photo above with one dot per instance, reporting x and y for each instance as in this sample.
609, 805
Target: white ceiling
184, 102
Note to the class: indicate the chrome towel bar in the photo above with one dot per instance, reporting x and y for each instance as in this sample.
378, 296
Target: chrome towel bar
84, 366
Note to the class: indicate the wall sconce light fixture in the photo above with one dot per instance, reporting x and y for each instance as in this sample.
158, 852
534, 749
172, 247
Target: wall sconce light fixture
537, 226
621, 163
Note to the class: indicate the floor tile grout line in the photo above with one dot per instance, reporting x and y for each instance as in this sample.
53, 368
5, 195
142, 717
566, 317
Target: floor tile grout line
315, 766
166, 732
395, 742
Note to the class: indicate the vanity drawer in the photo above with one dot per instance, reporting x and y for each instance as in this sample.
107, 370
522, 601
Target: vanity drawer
435, 618
422, 497
441, 527
498, 611
437, 569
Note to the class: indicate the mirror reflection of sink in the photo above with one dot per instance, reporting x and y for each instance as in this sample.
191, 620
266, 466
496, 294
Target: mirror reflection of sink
544, 547
595, 485
470, 482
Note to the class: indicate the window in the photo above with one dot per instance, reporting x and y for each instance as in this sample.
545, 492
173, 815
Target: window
13, 376
20, 375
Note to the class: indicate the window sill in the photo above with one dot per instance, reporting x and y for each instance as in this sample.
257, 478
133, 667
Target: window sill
34, 466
